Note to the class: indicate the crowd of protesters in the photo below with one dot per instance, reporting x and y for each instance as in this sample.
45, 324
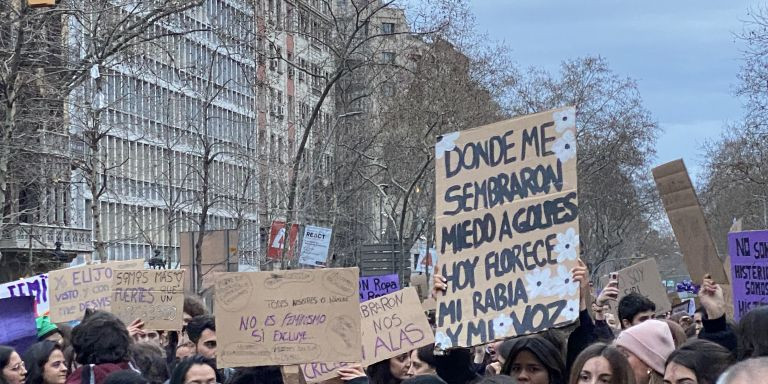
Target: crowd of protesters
638, 347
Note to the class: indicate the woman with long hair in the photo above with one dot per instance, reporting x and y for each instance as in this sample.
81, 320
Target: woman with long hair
601, 363
45, 363
14, 371
390, 371
535, 360
698, 362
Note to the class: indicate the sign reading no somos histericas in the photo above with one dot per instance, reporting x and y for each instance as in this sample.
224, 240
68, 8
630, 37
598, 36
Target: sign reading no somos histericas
507, 228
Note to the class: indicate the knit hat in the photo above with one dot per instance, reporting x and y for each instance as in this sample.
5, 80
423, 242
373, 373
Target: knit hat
44, 327
651, 341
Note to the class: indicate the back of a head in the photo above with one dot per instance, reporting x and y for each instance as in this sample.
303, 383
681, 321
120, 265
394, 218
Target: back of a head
632, 304
101, 338
424, 379
706, 359
193, 306
150, 360
498, 379
455, 366
260, 375
750, 371
752, 335
125, 377
427, 354
678, 334
543, 350
621, 371
198, 324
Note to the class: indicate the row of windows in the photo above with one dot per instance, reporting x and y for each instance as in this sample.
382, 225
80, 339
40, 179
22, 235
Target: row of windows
148, 163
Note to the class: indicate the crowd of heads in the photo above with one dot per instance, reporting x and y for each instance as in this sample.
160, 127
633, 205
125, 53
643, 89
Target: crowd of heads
641, 347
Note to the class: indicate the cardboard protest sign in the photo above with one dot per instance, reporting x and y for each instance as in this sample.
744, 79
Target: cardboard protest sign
749, 269
219, 254
35, 286
72, 290
314, 245
392, 325
17, 317
377, 286
688, 222
421, 284
644, 278
155, 296
507, 230
287, 317
322, 372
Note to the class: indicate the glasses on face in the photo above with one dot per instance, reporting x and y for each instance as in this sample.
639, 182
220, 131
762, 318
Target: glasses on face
19, 366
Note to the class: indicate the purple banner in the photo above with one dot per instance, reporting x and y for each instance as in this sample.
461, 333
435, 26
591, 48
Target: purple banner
749, 270
372, 287
18, 322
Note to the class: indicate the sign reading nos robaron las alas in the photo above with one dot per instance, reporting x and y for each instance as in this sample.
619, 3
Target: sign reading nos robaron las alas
507, 228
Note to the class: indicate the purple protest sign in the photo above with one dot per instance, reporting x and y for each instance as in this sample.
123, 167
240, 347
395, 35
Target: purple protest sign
749, 270
376, 286
18, 319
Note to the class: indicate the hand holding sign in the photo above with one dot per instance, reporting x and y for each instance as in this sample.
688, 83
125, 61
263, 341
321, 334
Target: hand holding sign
712, 298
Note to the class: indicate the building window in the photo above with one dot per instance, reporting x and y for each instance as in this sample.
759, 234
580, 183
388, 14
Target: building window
387, 28
388, 57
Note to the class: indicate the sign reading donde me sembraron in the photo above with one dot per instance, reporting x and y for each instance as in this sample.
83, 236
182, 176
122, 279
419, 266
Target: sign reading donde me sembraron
507, 230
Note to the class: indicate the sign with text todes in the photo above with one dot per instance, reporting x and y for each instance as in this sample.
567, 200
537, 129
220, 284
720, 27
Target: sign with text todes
287, 317
507, 229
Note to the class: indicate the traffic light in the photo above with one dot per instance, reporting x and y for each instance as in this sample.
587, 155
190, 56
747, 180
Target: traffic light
41, 3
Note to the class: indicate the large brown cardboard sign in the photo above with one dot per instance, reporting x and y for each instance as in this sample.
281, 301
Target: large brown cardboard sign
219, 254
688, 222
507, 229
644, 278
287, 317
156, 296
392, 325
73, 290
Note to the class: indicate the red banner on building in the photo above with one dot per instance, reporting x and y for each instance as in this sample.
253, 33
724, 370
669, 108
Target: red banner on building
277, 240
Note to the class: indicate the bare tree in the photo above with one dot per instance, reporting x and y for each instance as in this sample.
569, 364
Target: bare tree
616, 137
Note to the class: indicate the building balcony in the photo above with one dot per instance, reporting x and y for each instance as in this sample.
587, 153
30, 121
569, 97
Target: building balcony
43, 238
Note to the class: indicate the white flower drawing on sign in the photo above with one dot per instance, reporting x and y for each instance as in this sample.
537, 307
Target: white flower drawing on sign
565, 119
442, 341
563, 284
538, 283
445, 144
565, 147
566, 246
501, 325
571, 311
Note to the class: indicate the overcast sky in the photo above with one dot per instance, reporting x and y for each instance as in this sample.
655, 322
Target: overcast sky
683, 53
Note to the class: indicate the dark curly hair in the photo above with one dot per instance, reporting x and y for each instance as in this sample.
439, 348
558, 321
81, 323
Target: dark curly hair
101, 338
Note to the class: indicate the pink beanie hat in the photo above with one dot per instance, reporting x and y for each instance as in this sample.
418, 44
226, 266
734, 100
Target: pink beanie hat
651, 341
